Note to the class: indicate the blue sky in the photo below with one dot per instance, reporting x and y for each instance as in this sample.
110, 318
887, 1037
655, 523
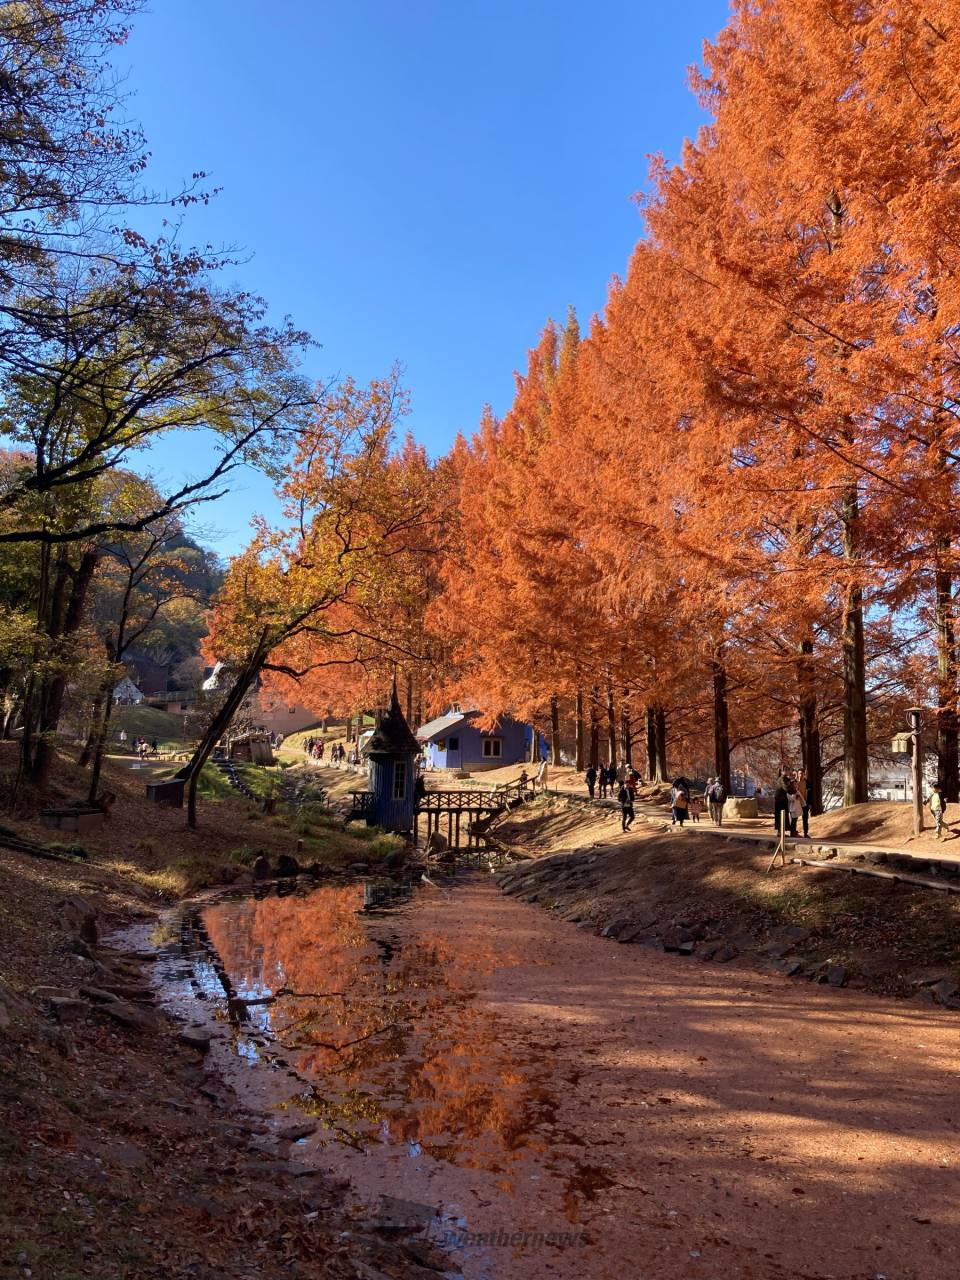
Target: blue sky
415, 180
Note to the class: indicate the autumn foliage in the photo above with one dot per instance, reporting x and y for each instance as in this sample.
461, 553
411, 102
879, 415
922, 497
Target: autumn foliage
719, 529
730, 508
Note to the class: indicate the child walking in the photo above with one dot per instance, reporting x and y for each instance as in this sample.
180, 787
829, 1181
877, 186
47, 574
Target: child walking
937, 807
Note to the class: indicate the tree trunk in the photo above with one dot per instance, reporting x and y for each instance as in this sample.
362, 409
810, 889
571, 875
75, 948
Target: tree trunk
721, 722
409, 697
100, 747
661, 734
52, 693
948, 754
855, 761
810, 728
594, 727
626, 743
579, 730
96, 716
33, 684
13, 705
555, 730
611, 726
854, 665
218, 725
651, 719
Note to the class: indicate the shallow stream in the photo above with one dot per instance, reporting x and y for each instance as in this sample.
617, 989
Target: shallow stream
352, 1011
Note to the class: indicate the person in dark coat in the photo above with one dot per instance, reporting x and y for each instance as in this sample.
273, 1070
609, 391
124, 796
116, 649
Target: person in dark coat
781, 802
591, 779
627, 815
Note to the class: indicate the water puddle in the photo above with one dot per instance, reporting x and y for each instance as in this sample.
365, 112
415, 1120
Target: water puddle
352, 1018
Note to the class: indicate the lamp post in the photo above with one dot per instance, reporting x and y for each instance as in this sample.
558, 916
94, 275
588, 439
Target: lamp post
916, 743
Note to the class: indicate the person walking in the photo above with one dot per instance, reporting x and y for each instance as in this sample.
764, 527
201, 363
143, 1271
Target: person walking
681, 804
781, 803
715, 796
591, 779
938, 807
602, 779
794, 809
801, 785
696, 808
622, 773
627, 814
630, 782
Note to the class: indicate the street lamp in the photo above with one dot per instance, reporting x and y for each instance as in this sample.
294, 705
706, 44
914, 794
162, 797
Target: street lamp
915, 715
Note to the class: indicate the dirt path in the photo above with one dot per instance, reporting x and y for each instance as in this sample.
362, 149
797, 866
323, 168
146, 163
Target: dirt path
524, 1076
750, 1127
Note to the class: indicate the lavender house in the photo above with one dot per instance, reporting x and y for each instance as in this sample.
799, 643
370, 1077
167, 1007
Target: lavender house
454, 741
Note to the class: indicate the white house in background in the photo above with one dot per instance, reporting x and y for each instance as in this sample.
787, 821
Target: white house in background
266, 711
893, 780
126, 693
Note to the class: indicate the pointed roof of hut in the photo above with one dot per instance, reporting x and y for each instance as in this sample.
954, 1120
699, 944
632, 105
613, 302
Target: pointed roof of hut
393, 736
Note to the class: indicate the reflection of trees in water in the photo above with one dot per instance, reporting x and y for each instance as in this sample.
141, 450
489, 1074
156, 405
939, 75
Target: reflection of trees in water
404, 1052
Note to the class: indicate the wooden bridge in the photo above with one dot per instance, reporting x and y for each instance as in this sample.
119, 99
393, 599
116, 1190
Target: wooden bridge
450, 808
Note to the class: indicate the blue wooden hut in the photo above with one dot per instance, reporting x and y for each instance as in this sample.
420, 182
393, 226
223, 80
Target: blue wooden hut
454, 741
391, 755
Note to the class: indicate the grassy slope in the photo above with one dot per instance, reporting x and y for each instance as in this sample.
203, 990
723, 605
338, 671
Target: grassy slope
335, 732
150, 851
146, 722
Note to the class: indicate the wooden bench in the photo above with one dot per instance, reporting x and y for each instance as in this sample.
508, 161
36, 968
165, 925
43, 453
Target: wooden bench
78, 818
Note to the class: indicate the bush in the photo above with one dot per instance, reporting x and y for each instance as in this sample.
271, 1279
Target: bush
383, 845
246, 855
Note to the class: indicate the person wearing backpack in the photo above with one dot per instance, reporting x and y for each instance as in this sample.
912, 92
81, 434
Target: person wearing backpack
680, 805
591, 779
715, 796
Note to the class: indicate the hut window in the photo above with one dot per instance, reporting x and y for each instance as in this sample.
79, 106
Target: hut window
399, 779
492, 748
454, 744
441, 744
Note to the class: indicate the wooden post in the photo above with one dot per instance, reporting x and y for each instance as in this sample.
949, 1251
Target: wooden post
780, 851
